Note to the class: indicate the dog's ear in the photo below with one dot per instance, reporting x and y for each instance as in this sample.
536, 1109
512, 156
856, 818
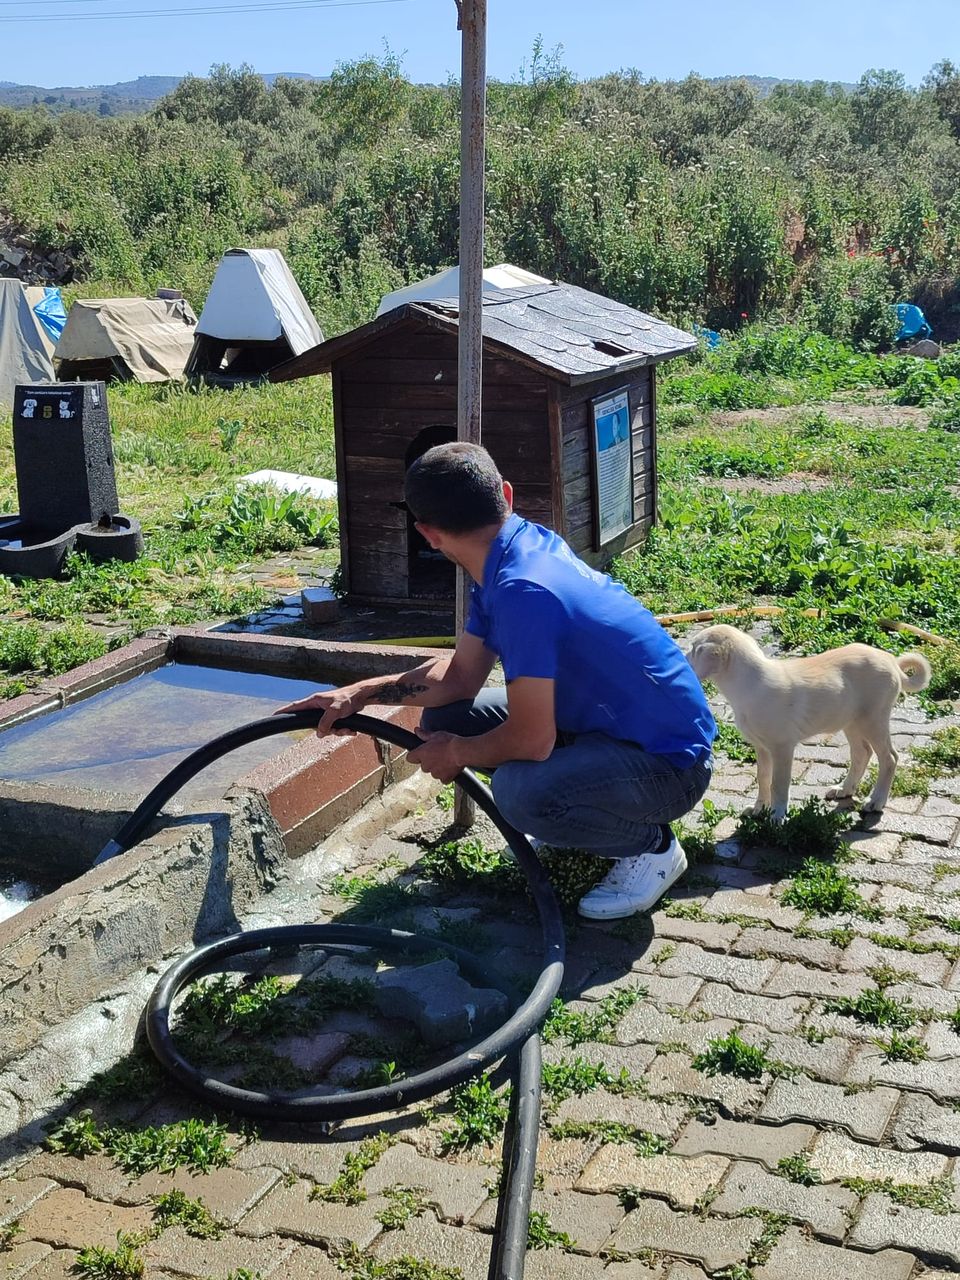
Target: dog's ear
707, 657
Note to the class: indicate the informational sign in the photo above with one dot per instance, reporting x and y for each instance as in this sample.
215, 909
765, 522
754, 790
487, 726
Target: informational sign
613, 466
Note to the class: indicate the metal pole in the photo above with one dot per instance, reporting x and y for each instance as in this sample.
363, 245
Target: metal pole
473, 105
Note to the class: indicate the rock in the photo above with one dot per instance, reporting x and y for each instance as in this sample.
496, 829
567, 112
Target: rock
443, 1006
926, 348
13, 256
319, 606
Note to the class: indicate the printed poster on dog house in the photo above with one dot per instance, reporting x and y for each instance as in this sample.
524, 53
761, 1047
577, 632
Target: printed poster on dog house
612, 466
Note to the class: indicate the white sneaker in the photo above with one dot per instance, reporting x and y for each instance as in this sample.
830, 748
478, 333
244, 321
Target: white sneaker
634, 884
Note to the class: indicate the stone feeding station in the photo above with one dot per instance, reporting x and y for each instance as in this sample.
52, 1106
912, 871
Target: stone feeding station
66, 484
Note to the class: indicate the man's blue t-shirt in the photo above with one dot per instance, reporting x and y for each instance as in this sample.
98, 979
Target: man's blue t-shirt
547, 615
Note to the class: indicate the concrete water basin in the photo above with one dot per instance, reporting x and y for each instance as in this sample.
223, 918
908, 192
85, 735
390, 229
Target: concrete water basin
78, 755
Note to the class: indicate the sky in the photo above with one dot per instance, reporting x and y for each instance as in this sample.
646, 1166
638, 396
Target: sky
67, 42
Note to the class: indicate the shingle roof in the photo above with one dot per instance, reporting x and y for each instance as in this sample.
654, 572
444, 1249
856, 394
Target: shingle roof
571, 334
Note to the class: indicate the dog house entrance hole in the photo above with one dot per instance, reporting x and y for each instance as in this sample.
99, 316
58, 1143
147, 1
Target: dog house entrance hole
431, 574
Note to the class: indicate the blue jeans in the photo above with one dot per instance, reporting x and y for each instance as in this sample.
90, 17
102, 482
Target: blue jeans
594, 793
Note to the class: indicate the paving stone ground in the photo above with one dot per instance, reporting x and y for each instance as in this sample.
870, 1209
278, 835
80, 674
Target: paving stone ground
675, 1175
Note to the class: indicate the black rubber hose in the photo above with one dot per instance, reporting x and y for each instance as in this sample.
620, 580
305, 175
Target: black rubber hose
517, 1039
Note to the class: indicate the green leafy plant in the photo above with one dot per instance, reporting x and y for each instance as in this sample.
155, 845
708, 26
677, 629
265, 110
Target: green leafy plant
576, 1027
733, 1056
797, 1168
347, 1187
541, 1235
404, 1203
122, 1263
193, 1144
8, 1235
175, 1208
901, 1048
874, 1008
479, 1114
819, 887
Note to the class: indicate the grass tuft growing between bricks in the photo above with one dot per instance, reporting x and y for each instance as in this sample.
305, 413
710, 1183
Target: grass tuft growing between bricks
875, 1009
903, 1048
361, 1266
175, 1208
347, 1186
820, 888
563, 1079
577, 1026
405, 1203
541, 1235
797, 1168
8, 1235
197, 1145
479, 1114
812, 830
733, 1056
614, 1131
935, 1195
125, 1262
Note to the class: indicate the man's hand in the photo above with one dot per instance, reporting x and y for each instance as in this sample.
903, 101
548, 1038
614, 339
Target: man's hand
334, 703
439, 755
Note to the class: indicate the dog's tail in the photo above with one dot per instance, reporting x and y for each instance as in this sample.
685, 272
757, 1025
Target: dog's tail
915, 672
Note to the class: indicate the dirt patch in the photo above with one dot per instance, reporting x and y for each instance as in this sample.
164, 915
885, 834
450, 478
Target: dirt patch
878, 414
792, 482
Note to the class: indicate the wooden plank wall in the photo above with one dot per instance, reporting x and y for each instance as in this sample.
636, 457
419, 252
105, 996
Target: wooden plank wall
387, 395
576, 425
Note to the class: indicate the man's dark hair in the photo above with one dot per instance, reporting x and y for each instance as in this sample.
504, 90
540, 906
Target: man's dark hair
455, 487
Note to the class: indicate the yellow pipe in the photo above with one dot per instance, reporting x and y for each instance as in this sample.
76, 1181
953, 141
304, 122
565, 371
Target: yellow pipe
698, 615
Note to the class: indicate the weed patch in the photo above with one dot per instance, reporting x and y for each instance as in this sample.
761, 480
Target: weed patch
613, 1131
820, 888
479, 1114
935, 1195
541, 1235
900, 1048
576, 1027
810, 829
404, 1203
122, 1263
8, 1235
732, 1056
175, 1208
192, 1144
797, 1168
347, 1187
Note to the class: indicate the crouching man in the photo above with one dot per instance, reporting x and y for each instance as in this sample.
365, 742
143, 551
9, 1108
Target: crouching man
602, 735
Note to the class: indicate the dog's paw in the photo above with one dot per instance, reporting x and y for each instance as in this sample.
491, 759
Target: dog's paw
873, 804
838, 793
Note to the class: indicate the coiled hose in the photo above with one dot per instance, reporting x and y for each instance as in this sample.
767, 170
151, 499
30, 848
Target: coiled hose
517, 1039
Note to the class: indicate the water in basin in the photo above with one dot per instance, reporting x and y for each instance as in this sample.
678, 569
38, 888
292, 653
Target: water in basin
128, 737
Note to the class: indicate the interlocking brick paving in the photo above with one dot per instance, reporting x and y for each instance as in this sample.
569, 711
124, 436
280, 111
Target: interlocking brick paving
832, 1154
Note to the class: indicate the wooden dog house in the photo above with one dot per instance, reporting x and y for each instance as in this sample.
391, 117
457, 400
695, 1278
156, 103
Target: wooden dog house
569, 415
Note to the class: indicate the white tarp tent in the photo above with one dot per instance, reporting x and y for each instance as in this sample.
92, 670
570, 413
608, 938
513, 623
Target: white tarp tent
446, 284
255, 317
143, 339
26, 352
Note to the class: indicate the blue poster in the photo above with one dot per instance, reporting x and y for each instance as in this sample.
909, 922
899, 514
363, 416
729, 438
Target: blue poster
614, 465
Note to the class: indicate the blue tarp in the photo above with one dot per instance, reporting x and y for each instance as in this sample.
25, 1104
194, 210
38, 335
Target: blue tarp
708, 336
913, 323
51, 313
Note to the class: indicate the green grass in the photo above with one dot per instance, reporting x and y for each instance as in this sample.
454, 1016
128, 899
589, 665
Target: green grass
820, 888
901, 1048
797, 1168
875, 1009
175, 1208
576, 1026
613, 1131
8, 1235
193, 1144
347, 1187
935, 1195
403, 1204
122, 1263
811, 829
733, 1056
479, 1114
542, 1235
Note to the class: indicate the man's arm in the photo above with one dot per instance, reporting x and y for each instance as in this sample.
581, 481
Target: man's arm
434, 683
528, 733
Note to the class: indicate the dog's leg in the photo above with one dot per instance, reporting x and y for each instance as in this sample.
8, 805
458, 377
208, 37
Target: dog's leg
860, 753
878, 735
780, 781
764, 774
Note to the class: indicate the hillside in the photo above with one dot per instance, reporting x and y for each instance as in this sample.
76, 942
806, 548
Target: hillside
126, 96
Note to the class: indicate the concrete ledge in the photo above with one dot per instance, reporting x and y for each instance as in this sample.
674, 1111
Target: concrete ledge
75, 945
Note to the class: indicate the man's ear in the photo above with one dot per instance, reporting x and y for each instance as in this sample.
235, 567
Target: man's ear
429, 534
508, 493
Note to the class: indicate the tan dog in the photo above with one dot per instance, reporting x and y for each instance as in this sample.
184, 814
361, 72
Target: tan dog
779, 702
